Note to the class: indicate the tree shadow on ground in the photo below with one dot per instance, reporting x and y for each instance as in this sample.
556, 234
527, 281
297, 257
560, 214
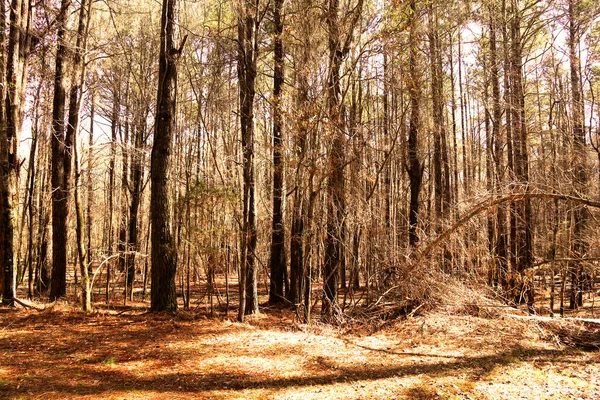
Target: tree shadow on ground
92, 381
71, 354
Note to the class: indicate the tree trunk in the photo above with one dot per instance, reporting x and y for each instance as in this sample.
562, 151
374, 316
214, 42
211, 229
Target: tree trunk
136, 194
500, 244
16, 82
299, 242
4, 206
90, 182
339, 48
123, 244
164, 257
114, 127
60, 177
78, 80
440, 155
579, 245
415, 169
247, 54
523, 238
335, 185
278, 264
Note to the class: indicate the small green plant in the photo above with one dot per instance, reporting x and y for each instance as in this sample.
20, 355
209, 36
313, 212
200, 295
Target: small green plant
109, 361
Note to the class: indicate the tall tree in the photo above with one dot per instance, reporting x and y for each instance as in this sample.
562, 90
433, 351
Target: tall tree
580, 178
523, 219
498, 151
305, 146
75, 100
16, 82
441, 168
4, 148
61, 162
278, 264
414, 167
339, 41
163, 253
246, 65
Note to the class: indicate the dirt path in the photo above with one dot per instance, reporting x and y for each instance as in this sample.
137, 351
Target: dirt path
65, 354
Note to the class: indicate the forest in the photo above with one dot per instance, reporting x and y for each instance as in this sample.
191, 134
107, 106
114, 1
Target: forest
341, 167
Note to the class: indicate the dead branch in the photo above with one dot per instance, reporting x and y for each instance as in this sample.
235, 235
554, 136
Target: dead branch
27, 305
107, 259
495, 201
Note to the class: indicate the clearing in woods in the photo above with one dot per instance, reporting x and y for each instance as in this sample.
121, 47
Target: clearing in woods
61, 353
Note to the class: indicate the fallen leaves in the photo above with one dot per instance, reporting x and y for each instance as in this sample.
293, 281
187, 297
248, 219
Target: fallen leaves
64, 355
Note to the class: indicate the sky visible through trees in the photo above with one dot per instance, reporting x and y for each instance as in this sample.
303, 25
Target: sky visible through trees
317, 155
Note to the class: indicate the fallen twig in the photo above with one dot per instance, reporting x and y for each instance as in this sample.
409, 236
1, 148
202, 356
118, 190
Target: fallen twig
27, 305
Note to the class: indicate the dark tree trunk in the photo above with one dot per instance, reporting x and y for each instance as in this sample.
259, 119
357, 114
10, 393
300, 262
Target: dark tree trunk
299, 243
247, 53
278, 264
114, 127
29, 204
339, 47
296, 249
454, 131
336, 206
415, 169
43, 267
579, 245
123, 244
164, 257
60, 177
136, 194
509, 142
523, 236
440, 155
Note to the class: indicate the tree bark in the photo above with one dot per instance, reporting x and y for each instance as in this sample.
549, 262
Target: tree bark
579, 245
415, 169
247, 54
278, 264
16, 83
60, 177
440, 155
3, 153
163, 252
500, 251
524, 238
75, 98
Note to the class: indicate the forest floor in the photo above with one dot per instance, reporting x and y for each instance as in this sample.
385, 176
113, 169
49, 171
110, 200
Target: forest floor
126, 353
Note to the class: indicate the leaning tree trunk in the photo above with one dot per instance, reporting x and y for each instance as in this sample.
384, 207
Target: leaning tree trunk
163, 252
